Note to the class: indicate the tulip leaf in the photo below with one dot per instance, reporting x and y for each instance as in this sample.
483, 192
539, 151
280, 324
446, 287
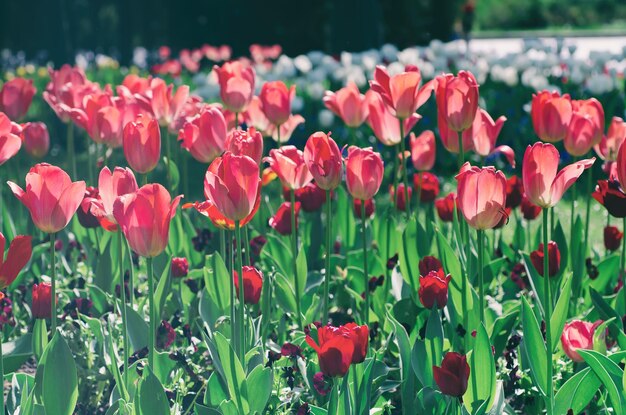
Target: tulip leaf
577, 392
609, 373
233, 372
559, 315
607, 269
16, 352
137, 329
259, 383
152, 398
534, 347
105, 273
501, 330
536, 281
40, 337
205, 410
407, 248
174, 173
59, 381
162, 290
301, 272
278, 253
285, 294
428, 352
404, 347
344, 221
572, 249
217, 282
430, 401
21, 387
481, 386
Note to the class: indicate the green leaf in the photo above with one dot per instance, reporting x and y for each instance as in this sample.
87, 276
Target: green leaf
162, 290
534, 347
103, 278
285, 296
259, 383
233, 371
559, 315
16, 352
609, 374
427, 353
137, 329
407, 248
152, 398
21, 386
577, 392
40, 337
58, 376
174, 173
481, 388
217, 282
404, 346
301, 271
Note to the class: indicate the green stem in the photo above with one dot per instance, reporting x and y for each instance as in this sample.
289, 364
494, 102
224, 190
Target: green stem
588, 208
548, 313
246, 244
152, 338
329, 236
278, 135
123, 307
53, 285
623, 260
355, 386
231, 287
131, 276
461, 155
366, 309
294, 250
334, 398
480, 234
396, 174
241, 318
405, 172
70, 148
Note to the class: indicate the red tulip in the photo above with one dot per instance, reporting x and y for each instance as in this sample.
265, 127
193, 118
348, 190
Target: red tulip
254, 115
245, 143
577, 335
85, 217
111, 185
423, 149
551, 115
484, 132
334, 352
370, 208
364, 172
288, 163
233, 185
252, 284
611, 142
142, 144
529, 210
610, 195
50, 196
481, 195
385, 125
311, 197
281, 221
179, 267
620, 166
36, 139
402, 92
451, 377
349, 104
236, 81
446, 207
17, 257
542, 184
612, 238
286, 129
276, 100
554, 259
205, 135
457, 100
42, 300
144, 216
399, 201
16, 96
433, 290
166, 105
514, 192
324, 161
360, 338
426, 185
428, 264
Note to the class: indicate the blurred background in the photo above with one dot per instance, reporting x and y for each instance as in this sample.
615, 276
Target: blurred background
56, 29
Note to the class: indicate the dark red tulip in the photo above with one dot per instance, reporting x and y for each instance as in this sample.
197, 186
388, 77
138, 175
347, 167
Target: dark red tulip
311, 197
252, 284
451, 377
180, 267
426, 185
321, 385
360, 337
433, 289
165, 335
85, 217
612, 238
399, 200
334, 352
445, 207
514, 192
41, 300
530, 211
290, 350
370, 208
281, 221
610, 195
554, 259
429, 263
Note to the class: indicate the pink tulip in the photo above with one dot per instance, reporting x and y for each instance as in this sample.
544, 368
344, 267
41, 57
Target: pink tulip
36, 139
50, 196
144, 216
288, 163
245, 143
136, 84
543, 185
66, 90
481, 195
457, 100
385, 125
349, 104
10, 142
578, 335
17, 257
111, 185
232, 184
423, 150
236, 81
591, 109
364, 172
484, 132
611, 142
166, 105
551, 115
254, 115
324, 161
402, 92
286, 129
276, 100
16, 96
580, 135
619, 167
142, 144
101, 119
204, 136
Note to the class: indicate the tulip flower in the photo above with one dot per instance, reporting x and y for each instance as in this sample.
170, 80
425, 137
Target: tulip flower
592, 110
385, 125
142, 144
100, 118
245, 143
370, 207
282, 134
514, 192
612, 238
542, 184
254, 115
42, 300
554, 259
446, 207
85, 217
484, 132
577, 335
551, 114
205, 135
311, 197
17, 257
236, 81
348, 104
166, 105
402, 92
423, 149
364, 172
281, 221
481, 195
433, 290
289, 164
457, 100
334, 352
252, 284
276, 101
609, 194
452, 376
529, 210
324, 161
16, 96
611, 142
426, 185
10, 142
399, 200
111, 185
580, 136
360, 338
36, 139
66, 90
428, 264
179, 267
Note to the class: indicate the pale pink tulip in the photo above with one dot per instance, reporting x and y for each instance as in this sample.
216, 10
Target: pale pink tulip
111, 185
349, 104
288, 163
423, 150
402, 92
481, 195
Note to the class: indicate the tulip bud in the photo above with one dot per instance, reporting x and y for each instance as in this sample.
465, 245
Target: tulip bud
364, 172
423, 150
16, 96
324, 161
370, 208
551, 115
252, 284
433, 290
481, 196
457, 100
399, 199
236, 81
576, 335
281, 221
179, 267
42, 306
612, 238
276, 100
554, 259
452, 376
36, 139
142, 144
428, 264
426, 185
446, 207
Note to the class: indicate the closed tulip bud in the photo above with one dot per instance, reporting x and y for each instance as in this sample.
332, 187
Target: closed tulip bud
16, 96
324, 161
281, 221
17, 257
423, 150
348, 104
542, 184
85, 217
236, 81
529, 210
311, 197
578, 335
452, 376
433, 290
551, 115
50, 196
446, 207
364, 172
36, 139
42, 300
205, 135
245, 143
142, 144
288, 163
612, 238
370, 208
10, 142
252, 284
144, 216
554, 259
428, 264
276, 101
398, 199
426, 185
384, 123
179, 267
457, 100
481, 196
